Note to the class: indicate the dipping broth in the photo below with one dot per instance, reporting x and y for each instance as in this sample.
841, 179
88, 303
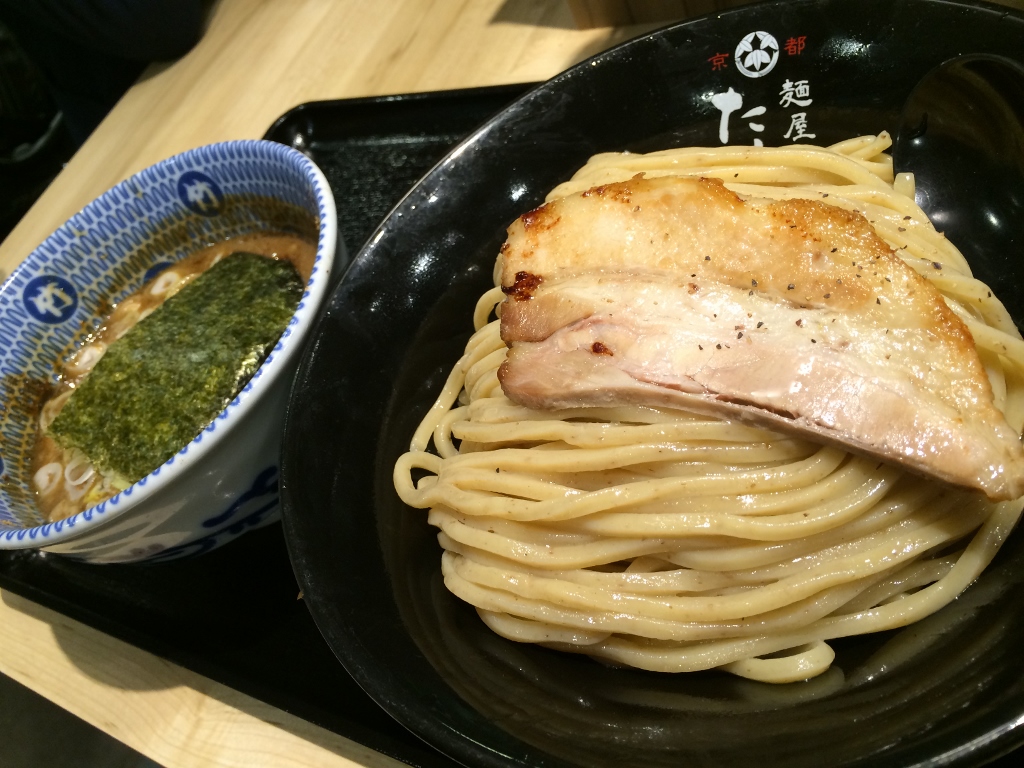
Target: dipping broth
64, 480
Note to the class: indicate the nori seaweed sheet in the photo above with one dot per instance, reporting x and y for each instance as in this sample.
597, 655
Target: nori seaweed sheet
162, 382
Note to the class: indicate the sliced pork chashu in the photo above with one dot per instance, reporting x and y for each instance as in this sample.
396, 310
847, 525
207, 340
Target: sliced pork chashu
790, 314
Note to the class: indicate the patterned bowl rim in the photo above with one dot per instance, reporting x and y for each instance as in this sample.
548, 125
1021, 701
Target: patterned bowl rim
286, 349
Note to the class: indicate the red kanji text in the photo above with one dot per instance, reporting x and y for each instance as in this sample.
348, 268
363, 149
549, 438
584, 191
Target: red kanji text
795, 45
718, 61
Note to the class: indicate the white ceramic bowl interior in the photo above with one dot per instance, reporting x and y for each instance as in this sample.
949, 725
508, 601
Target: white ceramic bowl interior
224, 482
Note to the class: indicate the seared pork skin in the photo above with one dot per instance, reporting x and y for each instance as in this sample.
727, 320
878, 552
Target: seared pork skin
793, 315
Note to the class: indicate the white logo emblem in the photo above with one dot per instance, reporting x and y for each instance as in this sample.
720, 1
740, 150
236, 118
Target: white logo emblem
50, 299
757, 54
200, 195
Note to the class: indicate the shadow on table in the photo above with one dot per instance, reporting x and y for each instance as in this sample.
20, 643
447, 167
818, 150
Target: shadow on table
69, 741
232, 615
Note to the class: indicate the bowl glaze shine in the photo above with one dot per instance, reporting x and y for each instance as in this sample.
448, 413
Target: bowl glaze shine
224, 482
946, 691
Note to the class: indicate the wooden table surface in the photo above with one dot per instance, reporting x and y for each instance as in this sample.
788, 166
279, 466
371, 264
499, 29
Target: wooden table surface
257, 59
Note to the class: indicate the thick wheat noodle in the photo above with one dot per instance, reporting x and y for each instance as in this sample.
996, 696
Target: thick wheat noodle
674, 542
549, 549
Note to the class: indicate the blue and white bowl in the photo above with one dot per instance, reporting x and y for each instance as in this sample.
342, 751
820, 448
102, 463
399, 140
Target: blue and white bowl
224, 482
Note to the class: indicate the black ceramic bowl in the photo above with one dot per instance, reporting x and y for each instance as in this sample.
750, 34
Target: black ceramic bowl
947, 690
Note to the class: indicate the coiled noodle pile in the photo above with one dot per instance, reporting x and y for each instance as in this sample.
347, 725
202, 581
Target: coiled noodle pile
667, 541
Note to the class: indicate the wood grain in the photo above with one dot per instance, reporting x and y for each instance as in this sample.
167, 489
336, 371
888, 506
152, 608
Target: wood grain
171, 715
257, 59
601, 13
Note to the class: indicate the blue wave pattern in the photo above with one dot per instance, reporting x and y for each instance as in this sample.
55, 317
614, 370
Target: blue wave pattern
103, 252
263, 515
265, 483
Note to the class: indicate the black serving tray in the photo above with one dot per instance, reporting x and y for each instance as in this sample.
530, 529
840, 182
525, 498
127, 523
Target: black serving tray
373, 150
235, 615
